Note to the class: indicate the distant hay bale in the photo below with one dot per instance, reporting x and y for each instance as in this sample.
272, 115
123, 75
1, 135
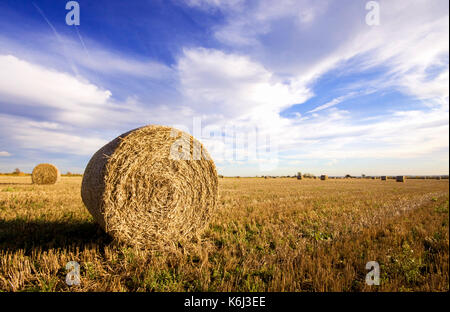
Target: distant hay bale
383, 178
400, 178
323, 177
151, 187
45, 174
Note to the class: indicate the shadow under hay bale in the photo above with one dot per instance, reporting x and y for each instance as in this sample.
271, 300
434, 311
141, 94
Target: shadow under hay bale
151, 187
29, 235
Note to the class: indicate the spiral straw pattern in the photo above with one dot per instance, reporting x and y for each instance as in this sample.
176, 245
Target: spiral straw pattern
151, 186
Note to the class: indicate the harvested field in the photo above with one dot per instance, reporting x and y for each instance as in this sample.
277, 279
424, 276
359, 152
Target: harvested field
265, 235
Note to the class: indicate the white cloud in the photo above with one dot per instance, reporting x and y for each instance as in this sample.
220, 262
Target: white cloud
61, 98
403, 135
4, 154
248, 95
246, 21
48, 137
232, 85
71, 100
411, 39
216, 4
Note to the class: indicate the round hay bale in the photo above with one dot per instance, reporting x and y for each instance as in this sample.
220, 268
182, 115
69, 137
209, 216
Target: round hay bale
151, 187
45, 174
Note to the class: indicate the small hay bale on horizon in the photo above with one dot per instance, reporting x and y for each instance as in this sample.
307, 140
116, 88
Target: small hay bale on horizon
45, 174
400, 179
383, 178
323, 177
151, 187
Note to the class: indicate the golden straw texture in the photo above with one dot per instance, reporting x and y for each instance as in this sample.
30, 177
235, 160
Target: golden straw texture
45, 174
151, 187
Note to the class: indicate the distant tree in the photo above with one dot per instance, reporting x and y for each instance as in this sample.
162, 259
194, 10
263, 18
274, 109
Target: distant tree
348, 176
17, 171
363, 175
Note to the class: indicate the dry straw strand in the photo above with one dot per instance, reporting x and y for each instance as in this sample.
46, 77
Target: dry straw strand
45, 174
151, 187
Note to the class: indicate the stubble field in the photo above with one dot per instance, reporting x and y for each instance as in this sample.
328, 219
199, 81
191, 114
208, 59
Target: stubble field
266, 235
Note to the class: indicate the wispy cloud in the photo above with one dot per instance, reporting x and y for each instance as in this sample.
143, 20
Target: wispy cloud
72, 100
32, 135
332, 103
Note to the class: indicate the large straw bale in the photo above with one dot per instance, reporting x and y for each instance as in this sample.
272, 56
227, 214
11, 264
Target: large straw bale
45, 174
151, 187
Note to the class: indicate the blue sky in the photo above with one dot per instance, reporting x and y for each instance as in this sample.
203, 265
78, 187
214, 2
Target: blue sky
270, 87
